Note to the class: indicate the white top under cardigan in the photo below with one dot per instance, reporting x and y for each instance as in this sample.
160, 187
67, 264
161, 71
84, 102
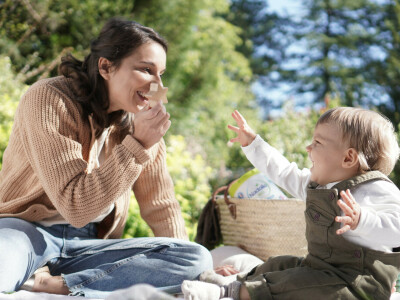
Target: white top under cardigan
379, 226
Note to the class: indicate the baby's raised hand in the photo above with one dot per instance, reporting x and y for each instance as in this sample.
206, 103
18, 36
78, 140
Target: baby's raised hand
245, 135
351, 210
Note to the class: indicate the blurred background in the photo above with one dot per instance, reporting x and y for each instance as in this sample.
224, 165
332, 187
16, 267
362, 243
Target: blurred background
280, 62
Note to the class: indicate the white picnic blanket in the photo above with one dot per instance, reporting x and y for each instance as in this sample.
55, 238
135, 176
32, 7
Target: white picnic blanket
227, 255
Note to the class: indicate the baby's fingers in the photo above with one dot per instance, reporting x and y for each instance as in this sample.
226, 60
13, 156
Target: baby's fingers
343, 229
234, 128
238, 118
348, 198
226, 270
345, 207
234, 140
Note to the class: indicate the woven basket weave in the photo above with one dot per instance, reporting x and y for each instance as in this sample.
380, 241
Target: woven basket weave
263, 228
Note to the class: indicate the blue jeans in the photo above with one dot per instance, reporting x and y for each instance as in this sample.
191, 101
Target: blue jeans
94, 267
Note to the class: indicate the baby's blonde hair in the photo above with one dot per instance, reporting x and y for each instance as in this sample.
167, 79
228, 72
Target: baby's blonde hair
371, 134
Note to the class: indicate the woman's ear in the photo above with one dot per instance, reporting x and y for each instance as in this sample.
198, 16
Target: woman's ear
104, 66
350, 159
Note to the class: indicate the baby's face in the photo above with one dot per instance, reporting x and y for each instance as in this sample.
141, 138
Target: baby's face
327, 153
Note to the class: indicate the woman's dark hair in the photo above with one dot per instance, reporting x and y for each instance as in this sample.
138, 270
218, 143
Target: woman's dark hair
117, 40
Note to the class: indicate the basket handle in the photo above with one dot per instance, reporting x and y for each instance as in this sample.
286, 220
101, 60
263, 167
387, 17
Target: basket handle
231, 205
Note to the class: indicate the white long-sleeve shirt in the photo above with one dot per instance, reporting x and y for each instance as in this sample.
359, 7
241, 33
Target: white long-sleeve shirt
379, 225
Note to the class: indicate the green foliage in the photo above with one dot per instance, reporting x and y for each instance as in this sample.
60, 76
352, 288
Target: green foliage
212, 63
35, 34
190, 175
135, 225
207, 77
11, 89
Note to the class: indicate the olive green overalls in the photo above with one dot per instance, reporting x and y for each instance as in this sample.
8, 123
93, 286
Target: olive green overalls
334, 268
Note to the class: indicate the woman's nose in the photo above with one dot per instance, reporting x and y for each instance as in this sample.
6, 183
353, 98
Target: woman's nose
158, 80
308, 148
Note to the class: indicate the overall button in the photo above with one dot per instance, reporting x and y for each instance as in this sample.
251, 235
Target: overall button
357, 253
333, 196
316, 216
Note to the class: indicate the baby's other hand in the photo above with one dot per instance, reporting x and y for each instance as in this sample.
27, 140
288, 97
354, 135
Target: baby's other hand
226, 270
351, 210
245, 135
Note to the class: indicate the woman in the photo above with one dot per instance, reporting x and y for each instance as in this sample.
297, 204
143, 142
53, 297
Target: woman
73, 157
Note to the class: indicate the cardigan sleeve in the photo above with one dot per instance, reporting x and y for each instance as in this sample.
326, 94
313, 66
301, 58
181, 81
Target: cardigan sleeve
52, 135
154, 191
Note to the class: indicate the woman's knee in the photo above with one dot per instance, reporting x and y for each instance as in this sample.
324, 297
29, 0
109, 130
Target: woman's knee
24, 235
204, 255
17, 252
203, 259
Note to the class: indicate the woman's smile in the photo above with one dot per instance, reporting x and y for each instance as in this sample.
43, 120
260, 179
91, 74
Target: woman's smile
130, 82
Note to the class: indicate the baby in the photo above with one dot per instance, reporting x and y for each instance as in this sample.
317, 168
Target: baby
352, 214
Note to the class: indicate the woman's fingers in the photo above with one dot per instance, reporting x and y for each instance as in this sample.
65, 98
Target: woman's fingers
151, 125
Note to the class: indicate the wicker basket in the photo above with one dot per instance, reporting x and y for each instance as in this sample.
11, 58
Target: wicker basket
263, 228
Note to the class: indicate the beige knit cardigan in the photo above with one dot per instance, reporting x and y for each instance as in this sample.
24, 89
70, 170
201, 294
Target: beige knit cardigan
49, 168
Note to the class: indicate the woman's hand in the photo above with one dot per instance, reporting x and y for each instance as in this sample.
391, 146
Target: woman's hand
351, 210
151, 124
245, 135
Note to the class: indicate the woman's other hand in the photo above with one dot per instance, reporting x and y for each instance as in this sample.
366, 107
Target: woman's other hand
151, 124
245, 135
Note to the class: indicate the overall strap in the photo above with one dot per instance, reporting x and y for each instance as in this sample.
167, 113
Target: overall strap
356, 180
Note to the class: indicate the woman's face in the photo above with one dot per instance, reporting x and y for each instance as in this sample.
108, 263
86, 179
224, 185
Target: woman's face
127, 84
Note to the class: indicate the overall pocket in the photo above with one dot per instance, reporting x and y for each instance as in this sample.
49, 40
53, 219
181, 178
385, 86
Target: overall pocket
317, 224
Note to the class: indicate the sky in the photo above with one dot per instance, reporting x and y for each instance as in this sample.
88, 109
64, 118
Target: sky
284, 7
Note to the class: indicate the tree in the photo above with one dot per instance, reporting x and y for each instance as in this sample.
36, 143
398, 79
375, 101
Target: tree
208, 78
334, 47
36, 34
264, 39
384, 71
338, 38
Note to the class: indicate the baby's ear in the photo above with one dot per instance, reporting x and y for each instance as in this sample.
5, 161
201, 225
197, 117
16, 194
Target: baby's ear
350, 159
